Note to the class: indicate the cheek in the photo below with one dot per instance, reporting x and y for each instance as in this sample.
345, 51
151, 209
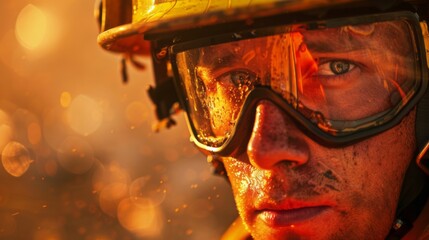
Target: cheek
244, 180
388, 154
239, 175
377, 166
380, 161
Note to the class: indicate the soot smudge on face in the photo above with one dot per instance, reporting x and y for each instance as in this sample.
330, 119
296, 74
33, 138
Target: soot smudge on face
301, 182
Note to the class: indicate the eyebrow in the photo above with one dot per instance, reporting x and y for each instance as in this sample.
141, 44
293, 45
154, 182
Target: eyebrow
341, 44
218, 60
341, 39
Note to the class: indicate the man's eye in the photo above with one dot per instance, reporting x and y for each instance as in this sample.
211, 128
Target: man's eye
238, 78
336, 67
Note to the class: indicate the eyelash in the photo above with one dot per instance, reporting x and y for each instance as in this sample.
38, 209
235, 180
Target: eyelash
328, 78
229, 74
322, 67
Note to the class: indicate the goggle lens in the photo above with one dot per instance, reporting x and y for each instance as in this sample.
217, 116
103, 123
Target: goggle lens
342, 79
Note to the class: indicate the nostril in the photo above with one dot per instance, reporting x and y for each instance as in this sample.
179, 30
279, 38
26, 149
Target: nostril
265, 154
290, 164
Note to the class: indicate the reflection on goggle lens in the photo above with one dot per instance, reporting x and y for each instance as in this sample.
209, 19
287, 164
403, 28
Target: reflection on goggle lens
341, 79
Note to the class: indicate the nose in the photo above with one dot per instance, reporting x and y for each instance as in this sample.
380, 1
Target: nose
275, 139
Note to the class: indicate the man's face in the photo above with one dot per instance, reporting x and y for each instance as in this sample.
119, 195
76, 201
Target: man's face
286, 185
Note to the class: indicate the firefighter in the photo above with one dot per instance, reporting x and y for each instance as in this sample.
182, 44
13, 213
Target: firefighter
315, 111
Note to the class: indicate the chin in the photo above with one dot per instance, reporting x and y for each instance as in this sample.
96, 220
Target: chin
262, 233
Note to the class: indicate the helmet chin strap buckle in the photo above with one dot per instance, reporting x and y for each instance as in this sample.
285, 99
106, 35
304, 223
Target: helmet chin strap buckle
423, 159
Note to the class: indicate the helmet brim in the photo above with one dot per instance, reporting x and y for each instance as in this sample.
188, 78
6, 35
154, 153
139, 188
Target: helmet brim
187, 15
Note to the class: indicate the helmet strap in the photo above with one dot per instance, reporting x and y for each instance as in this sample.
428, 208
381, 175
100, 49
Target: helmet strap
413, 198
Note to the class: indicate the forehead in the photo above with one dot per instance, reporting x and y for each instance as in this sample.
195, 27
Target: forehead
390, 35
349, 38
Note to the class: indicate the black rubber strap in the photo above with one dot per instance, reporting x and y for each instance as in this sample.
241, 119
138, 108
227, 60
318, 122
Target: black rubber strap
408, 215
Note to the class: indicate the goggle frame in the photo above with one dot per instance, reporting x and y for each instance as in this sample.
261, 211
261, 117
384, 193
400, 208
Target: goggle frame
233, 145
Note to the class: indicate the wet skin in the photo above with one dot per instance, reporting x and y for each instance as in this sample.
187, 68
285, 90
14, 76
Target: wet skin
286, 185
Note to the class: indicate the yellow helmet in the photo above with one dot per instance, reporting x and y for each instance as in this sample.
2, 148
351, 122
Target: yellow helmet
124, 23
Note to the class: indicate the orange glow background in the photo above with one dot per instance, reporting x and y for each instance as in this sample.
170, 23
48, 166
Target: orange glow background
79, 158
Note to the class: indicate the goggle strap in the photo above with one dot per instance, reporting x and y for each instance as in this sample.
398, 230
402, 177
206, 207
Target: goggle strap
163, 94
404, 221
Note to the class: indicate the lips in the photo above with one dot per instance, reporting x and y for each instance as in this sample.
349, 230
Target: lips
285, 218
292, 213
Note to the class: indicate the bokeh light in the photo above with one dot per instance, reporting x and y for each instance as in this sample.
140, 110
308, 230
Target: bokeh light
137, 113
84, 115
105, 175
31, 27
75, 155
148, 187
65, 99
140, 217
16, 159
111, 196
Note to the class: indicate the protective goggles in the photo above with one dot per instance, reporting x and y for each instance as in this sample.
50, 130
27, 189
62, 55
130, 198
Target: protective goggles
340, 80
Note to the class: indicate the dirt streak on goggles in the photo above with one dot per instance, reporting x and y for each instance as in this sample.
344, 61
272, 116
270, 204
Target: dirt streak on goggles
340, 80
